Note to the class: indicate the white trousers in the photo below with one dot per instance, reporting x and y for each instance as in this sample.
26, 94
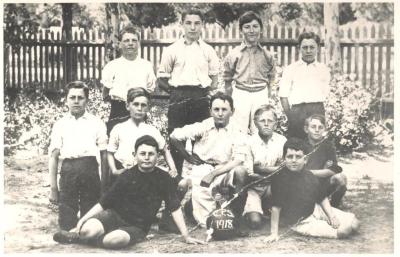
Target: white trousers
246, 103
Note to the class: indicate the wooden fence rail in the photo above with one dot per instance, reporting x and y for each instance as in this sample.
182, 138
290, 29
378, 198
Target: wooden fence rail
41, 60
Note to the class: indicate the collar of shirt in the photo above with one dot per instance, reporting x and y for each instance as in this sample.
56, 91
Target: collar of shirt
211, 125
243, 46
303, 63
271, 140
85, 116
182, 41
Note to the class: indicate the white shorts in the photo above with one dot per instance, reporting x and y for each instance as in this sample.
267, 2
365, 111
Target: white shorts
316, 224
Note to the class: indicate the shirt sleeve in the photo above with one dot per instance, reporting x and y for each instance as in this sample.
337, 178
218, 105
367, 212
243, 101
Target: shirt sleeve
116, 192
113, 143
166, 64
326, 79
331, 155
108, 75
278, 190
240, 148
229, 69
102, 138
213, 62
189, 131
55, 137
271, 61
172, 202
158, 137
285, 84
151, 79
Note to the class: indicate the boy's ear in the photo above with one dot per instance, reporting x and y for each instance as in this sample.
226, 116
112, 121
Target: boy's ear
305, 158
306, 129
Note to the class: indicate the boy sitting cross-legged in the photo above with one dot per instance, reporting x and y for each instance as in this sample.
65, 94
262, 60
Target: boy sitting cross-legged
299, 200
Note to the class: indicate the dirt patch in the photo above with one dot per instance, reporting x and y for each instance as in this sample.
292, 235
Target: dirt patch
31, 223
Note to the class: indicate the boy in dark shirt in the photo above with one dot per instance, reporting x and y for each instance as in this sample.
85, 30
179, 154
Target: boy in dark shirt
323, 162
300, 200
124, 214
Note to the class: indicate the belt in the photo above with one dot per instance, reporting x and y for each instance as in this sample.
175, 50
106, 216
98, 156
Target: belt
188, 87
80, 158
303, 103
253, 88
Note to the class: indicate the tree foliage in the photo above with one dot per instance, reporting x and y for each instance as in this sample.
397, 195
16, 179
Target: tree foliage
149, 14
377, 12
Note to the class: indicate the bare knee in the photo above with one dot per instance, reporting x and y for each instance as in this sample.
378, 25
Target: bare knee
184, 185
254, 220
116, 239
92, 228
339, 180
240, 174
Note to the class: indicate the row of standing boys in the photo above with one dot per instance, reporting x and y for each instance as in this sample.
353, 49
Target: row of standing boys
237, 144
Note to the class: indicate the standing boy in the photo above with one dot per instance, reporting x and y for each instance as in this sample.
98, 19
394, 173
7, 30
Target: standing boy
188, 72
124, 214
123, 136
123, 73
304, 85
299, 200
76, 139
217, 158
249, 70
323, 162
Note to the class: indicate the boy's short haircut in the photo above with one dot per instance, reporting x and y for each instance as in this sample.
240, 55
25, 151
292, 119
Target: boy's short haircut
193, 11
80, 85
296, 144
129, 29
319, 117
309, 35
136, 92
223, 97
265, 108
146, 140
248, 17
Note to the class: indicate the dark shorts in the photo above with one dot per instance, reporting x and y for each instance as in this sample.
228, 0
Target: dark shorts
112, 221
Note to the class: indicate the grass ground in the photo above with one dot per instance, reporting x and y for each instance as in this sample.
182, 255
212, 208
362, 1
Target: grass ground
30, 223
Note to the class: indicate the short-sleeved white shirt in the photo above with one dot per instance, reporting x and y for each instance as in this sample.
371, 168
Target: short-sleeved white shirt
81, 137
123, 138
121, 74
266, 154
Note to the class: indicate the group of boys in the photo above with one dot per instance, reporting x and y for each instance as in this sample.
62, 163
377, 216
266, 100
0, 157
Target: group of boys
228, 150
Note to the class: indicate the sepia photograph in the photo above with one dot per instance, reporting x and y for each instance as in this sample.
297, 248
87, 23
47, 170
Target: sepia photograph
199, 127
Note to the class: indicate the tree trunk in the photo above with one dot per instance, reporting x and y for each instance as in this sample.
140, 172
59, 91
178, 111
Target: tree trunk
70, 69
332, 37
113, 22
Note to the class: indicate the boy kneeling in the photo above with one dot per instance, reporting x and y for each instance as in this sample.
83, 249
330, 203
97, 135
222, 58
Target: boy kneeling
124, 214
300, 200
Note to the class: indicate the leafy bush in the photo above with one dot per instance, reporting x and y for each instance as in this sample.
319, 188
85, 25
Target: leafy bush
350, 117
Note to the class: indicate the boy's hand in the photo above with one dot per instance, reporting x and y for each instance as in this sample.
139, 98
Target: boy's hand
119, 171
173, 173
191, 240
271, 238
328, 164
334, 222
